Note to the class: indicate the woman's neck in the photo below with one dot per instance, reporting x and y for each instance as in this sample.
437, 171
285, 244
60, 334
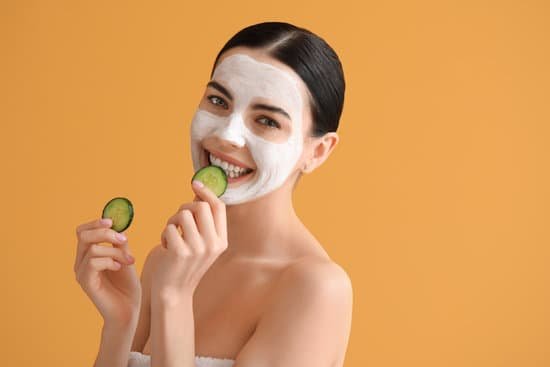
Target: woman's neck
262, 228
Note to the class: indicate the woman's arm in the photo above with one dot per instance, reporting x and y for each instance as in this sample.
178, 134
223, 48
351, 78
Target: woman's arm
116, 341
143, 328
307, 322
182, 262
173, 331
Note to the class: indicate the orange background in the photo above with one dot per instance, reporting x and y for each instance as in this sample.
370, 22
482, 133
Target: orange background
436, 201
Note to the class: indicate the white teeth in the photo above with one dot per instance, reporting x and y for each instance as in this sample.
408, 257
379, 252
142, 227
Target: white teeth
230, 169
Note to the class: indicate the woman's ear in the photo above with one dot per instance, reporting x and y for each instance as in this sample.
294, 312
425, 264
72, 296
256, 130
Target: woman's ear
322, 147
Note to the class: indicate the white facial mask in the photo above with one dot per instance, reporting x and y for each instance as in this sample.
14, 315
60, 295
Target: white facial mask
246, 78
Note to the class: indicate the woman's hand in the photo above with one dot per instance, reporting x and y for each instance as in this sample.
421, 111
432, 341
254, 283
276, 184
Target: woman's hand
105, 274
188, 255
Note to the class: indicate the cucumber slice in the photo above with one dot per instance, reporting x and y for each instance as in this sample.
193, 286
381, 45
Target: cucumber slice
213, 177
121, 211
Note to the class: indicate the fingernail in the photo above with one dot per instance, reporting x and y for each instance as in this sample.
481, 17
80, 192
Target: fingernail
130, 258
120, 237
197, 184
106, 221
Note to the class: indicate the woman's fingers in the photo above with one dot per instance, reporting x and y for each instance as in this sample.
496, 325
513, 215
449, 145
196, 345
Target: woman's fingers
99, 258
216, 205
202, 222
184, 219
106, 251
203, 217
97, 223
102, 235
172, 240
91, 234
88, 271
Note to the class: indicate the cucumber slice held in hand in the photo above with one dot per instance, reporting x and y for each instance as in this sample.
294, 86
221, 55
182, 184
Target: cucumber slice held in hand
213, 177
121, 211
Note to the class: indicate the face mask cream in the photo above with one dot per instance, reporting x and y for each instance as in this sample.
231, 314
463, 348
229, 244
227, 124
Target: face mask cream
248, 79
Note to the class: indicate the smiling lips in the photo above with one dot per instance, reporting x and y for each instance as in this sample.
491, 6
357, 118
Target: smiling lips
232, 170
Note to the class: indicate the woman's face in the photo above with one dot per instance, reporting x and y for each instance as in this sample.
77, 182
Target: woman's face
251, 122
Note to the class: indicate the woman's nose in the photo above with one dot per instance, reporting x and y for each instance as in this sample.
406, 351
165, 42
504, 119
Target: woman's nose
233, 132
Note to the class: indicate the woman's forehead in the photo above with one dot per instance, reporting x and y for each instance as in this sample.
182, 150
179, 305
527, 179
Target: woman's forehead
246, 77
260, 56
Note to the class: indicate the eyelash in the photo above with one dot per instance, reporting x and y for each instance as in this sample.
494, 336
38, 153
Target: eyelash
271, 123
221, 99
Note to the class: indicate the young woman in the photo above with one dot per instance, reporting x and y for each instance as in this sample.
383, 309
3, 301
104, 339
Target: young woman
236, 280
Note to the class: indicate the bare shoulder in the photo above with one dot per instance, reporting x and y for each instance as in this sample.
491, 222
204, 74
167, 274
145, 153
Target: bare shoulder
307, 320
152, 256
315, 276
155, 251
143, 327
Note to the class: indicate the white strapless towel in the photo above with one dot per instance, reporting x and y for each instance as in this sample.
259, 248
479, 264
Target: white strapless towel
138, 359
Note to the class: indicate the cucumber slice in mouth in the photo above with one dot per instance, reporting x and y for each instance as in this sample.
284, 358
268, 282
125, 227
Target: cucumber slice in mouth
121, 211
213, 177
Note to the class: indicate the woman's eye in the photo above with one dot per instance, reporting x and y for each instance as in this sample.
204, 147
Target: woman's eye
269, 122
217, 101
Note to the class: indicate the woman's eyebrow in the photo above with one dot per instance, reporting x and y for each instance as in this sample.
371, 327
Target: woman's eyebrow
220, 88
261, 106
257, 106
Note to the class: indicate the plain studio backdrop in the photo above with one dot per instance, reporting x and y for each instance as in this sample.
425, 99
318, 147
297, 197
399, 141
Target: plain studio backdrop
436, 201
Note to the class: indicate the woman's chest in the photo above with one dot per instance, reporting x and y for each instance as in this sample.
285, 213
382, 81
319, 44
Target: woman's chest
226, 308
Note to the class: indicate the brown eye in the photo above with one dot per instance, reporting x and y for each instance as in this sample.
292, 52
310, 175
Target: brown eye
269, 122
215, 100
